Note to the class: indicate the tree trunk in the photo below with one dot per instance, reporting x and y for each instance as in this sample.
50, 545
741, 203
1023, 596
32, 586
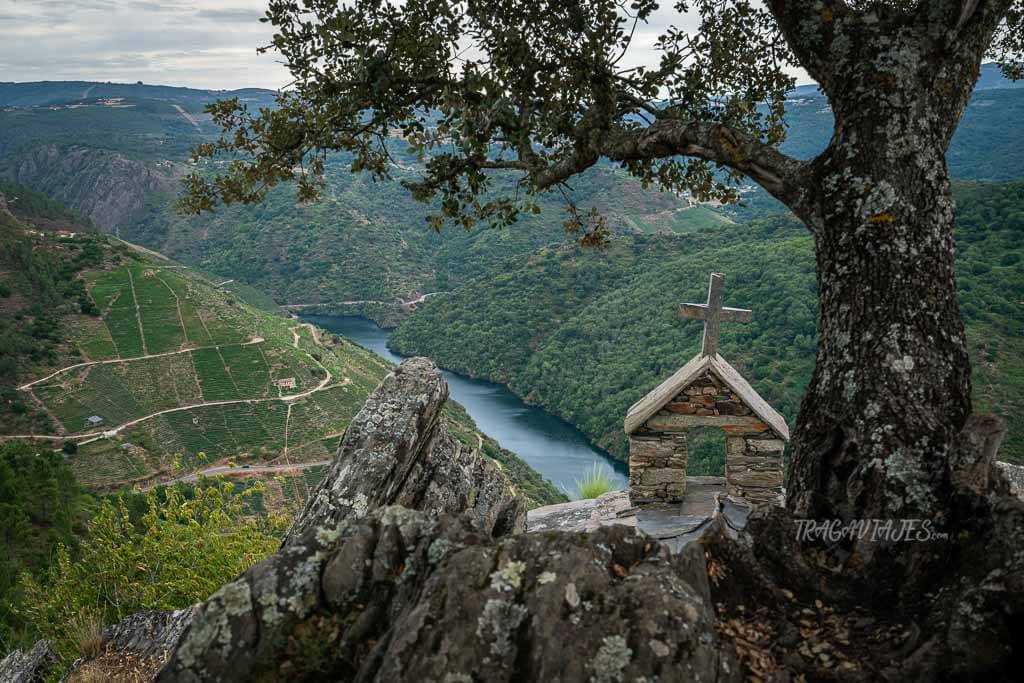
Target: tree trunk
891, 387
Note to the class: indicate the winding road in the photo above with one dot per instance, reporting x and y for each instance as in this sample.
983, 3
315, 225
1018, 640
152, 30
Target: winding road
188, 117
107, 433
352, 302
26, 387
234, 469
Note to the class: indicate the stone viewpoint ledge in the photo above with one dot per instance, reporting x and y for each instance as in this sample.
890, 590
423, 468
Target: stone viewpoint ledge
674, 525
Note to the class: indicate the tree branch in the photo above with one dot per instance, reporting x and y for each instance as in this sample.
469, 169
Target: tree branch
779, 174
782, 176
971, 19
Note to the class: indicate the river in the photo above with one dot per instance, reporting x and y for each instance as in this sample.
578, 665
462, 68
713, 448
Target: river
551, 446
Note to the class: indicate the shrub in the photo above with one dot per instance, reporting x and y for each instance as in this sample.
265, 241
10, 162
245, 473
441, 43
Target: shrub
595, 482
179, 552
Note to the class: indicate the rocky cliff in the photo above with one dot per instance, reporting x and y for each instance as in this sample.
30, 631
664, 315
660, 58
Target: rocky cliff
107, 187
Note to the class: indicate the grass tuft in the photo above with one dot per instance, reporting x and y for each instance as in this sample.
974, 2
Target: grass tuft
87, 630
595, 482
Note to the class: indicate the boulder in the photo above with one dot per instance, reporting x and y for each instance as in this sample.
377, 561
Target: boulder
397, 451
28, 666
397, 595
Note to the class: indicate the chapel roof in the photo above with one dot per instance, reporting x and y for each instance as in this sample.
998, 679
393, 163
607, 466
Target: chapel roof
645, 408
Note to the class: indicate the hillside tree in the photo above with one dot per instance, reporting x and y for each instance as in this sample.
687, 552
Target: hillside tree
537, 90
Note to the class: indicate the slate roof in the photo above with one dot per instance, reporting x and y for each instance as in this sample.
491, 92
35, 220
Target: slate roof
642, 410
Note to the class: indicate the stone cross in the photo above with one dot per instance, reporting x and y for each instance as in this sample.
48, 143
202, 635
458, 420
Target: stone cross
714, 313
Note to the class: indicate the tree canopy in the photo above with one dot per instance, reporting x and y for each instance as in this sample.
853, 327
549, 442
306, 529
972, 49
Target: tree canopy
544, 88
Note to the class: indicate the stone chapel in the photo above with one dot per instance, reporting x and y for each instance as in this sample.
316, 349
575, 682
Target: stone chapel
706, 392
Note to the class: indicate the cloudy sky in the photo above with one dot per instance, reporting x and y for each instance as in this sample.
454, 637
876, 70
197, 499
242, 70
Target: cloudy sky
197, 43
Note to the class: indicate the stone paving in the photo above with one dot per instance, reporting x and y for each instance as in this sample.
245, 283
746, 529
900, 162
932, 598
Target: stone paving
674, 524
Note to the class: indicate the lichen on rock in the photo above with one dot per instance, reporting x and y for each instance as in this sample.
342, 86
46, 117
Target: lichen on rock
398, 451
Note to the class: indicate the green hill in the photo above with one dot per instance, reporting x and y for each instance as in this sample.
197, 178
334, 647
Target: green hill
50, 93
116, 157
586, 333
148, 372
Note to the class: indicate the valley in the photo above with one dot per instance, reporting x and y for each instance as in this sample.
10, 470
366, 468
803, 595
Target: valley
161, 374
558, 452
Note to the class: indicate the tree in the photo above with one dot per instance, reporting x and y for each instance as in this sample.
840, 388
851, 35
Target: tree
534, 88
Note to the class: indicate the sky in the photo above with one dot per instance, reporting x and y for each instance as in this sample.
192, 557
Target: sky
195, 43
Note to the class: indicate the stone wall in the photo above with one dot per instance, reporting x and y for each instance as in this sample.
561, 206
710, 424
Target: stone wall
753, 467
658, 450
657, 468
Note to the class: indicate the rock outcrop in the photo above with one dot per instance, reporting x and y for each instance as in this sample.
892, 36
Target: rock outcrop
398, 595
28, 666
397, 451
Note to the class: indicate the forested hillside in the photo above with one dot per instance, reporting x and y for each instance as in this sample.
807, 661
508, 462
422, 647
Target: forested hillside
586, 333
116, 154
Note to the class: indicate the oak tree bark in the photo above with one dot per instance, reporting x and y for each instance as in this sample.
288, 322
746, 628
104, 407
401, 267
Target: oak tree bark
891, 390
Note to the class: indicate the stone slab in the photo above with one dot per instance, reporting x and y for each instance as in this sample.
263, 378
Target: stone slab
672, 422
584, 515
675, 525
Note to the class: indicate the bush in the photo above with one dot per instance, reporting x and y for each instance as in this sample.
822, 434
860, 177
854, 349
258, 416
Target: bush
179, 552
87, 307
595, 482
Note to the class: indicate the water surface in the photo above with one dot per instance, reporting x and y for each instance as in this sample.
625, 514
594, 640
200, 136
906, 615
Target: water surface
551, 446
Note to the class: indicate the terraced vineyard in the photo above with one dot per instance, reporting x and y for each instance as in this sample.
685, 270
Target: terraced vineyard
174, 376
